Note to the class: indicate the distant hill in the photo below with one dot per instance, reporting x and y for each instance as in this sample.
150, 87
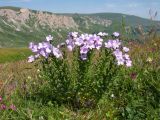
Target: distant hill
19, 26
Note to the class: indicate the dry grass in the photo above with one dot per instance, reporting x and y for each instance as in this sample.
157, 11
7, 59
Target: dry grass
15, 74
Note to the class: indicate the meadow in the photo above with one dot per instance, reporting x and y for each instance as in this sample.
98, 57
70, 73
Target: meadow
132, 94
13, 54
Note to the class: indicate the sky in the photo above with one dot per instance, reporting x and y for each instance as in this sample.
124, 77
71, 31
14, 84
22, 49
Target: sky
133, 7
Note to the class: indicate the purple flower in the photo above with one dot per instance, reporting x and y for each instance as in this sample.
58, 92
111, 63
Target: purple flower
40, 46
43, 53
73, 35
84, 56
128, 63
48, 50
133, 75
31, 58
120, 61
116, 34
125, 49
49, 38
0, 98
90, 44
79, 41
31, 44
116, 44
70, 44
56, 52
126, 56
84, 50
113, 44
34, 48
13, 107
98, 45
118, 53
109, 44
3, 107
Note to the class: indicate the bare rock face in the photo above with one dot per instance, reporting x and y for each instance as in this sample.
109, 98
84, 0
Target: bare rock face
55, 20
51, 20
23, 10
12, 15
97, 20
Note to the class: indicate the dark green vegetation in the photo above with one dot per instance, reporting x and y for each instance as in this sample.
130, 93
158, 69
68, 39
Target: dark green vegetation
129, 25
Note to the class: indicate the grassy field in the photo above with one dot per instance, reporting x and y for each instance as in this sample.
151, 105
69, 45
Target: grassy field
13, 54
136, 90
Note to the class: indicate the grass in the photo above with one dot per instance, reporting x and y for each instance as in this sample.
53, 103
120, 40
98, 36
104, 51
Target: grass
136, 97
13, 54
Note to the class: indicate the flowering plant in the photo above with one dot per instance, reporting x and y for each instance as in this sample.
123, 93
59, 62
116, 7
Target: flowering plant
79, 70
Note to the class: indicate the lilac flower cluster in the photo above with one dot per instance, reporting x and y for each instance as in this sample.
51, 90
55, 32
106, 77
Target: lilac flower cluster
119, 52
44, 49
85, 42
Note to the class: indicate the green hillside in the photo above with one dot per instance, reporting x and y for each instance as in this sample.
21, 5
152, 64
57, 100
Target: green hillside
11, 36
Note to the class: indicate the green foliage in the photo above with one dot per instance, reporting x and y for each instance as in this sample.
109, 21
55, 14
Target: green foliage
76, 82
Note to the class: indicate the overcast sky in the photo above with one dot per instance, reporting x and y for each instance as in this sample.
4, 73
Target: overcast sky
133, 7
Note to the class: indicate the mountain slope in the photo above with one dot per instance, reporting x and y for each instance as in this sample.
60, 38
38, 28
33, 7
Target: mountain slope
20, 26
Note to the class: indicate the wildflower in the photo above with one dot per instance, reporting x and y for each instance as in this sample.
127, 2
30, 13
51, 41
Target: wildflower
29, 77
0, 98
149, 59
84, 50
74, 34
79, 41
37, 55
84, 56
113, 44
128, 63
49, 38
40, 46
112, 95
3, 107
56, 52
43, 53
102, 34
118, 53
85, 42
108, 44
70, 44
116, 44
13, 107
34, 48
133, 75
116, 34
125, 49
38, 70
126, 56
31, 44
31, 58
